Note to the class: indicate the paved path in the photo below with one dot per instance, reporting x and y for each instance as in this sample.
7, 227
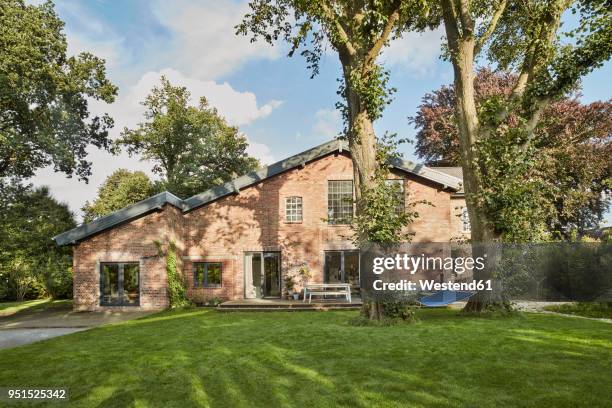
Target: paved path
30, 326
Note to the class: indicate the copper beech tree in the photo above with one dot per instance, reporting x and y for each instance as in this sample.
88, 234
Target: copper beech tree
497, 138
357, 31
573, 141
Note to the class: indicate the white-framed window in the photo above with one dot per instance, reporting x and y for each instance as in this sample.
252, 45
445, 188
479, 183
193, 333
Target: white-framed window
339, 201
401, 199
465, 220
293, 209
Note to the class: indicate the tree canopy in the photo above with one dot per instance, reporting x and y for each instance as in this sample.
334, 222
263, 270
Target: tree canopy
44, 93
507, 196
193, 148
119, 190
573, 140
30, 262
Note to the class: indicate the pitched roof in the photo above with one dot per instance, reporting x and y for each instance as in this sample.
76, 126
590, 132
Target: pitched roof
456, 171
108, 221
235, 185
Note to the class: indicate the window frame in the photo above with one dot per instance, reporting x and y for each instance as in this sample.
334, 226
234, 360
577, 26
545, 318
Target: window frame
120, 283
465, 220
340, 220
299, 210
205, 283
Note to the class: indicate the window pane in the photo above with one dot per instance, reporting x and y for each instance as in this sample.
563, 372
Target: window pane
130, 284
351, 267
465, 220
110, 284
339, 201
333, 267
293, 209
213, 276
198, 274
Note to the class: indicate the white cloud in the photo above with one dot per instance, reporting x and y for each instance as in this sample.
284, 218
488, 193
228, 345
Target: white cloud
204, 42
328, 123
415, 52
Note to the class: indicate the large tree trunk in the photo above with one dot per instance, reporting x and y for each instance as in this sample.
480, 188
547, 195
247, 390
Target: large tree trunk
484, 238
362, 144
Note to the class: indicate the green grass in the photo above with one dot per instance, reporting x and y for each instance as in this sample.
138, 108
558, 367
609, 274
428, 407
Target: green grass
594, 309
199, 357
9, 308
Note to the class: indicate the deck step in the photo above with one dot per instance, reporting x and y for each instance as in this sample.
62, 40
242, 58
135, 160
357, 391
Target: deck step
287, 309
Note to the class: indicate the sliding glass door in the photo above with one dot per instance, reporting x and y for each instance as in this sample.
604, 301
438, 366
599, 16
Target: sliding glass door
342, 267
261, 275
119, 284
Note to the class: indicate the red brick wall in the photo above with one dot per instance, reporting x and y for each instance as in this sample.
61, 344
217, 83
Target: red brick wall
131, 242
252, 220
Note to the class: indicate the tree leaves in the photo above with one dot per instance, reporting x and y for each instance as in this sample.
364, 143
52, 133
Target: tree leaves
44, 116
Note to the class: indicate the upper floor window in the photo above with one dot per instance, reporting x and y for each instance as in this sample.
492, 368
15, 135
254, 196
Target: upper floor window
207, 274
465, 220
293, 209
339, 201
401, 204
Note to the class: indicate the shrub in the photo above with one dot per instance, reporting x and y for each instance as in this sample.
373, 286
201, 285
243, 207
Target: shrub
177, 293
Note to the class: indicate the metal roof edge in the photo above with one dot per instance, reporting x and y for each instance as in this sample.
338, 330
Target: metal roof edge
108, 221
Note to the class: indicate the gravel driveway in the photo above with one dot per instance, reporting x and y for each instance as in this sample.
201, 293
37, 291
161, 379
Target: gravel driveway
30, 326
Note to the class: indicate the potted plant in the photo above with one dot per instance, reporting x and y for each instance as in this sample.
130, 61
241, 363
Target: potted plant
290, 285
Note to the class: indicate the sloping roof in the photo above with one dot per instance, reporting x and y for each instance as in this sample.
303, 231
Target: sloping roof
456, 172
237, 184
108, 221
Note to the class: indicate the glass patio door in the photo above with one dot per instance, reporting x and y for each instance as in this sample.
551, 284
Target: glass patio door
342, 267
261, 275
119, 284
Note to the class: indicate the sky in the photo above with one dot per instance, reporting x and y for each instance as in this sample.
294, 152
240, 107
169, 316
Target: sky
255, 86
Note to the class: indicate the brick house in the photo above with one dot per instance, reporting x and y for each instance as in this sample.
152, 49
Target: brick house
240, 239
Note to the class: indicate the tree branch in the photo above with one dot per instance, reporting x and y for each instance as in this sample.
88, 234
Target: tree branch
491, 27
382, 38
332, 19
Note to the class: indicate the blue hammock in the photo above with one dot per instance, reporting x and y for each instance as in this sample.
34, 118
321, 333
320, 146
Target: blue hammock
445, 298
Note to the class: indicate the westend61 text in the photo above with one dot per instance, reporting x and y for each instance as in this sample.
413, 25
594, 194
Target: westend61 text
429, 285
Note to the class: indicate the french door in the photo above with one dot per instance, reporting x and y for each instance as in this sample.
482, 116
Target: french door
342, 267
262, 275
119, 284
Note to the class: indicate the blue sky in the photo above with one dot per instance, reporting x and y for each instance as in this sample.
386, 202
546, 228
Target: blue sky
269, 96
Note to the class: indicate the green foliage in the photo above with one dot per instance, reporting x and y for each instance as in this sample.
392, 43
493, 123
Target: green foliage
44, 93
193, 148
597, 310
31, 265
289, 283
177, 293
383, 212
513, 191
394, 311
119, 190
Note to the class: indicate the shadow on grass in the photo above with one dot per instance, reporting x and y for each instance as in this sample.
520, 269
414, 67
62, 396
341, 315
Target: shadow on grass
200, 357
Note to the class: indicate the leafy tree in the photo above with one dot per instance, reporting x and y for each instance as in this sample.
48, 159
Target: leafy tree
119, 190
193, 148
30, 262
44, 116
572, 139
357, 32
506, 196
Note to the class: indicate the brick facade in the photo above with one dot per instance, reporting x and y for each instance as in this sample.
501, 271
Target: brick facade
251, 220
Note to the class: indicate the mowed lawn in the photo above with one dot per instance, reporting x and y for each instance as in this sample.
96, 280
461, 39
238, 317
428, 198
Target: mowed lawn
201, 357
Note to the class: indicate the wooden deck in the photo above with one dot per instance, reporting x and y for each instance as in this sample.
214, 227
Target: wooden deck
270, 305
